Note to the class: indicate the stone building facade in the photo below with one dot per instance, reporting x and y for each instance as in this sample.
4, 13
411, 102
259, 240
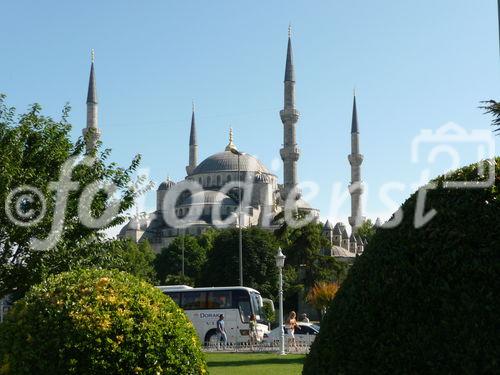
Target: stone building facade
223, 177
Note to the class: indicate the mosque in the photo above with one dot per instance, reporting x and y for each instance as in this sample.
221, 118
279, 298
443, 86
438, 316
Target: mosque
263, 202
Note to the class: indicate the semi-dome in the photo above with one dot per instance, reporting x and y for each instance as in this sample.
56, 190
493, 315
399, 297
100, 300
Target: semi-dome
227, 161
165, 185
208, 197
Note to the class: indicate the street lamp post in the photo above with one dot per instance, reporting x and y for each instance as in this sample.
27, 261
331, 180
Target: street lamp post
183, 235
240, 239
280, 263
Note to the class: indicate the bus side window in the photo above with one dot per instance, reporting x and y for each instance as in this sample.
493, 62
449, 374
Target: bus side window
220, 299
194, 300
176, 296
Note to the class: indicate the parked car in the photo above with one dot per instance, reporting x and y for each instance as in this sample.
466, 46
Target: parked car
305, 334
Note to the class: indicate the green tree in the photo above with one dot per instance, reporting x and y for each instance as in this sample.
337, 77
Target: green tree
302, 247
259, 264
136, 259
169, 262
329, 269
493, 107
366, 230
305, 264
33, 148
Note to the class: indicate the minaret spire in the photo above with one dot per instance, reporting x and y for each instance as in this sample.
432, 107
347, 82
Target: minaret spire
91, 132
355, 159
289, 117
193, 145
354, 124
289, 69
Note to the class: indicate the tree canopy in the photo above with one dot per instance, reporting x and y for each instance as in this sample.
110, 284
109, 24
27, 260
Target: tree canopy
493, 107
366, 230
305, 264
33, 150
169, 262
259, 264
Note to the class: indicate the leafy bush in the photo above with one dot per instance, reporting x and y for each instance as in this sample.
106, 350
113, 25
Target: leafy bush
421, 300
270, 314
321, 295
98, 322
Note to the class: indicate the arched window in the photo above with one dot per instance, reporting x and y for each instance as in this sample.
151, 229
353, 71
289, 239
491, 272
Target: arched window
219, 180
228, 178
200, 181
209, 180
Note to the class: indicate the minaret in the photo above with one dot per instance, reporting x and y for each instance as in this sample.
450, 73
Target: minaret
91, 132
289, 117
193, 146
356, 186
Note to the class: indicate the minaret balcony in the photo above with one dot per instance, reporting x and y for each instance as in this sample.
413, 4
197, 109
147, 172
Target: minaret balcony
289, 115
356, 188
355, 159
290, 153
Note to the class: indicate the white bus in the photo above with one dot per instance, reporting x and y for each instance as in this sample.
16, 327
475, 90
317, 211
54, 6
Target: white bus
204, 305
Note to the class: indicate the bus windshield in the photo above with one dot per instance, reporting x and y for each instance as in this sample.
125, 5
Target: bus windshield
257, 305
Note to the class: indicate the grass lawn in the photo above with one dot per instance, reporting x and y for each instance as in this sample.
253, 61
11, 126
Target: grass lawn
254, 364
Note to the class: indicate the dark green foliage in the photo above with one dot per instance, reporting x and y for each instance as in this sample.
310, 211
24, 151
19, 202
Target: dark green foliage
425, 300
133, 258
492, 107
259, 265
33, 148
270, 314
98, 322
305, 265
366, 230
179, 280
169, 262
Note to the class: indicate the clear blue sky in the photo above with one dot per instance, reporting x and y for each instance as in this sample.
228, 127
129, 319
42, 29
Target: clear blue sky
415, 65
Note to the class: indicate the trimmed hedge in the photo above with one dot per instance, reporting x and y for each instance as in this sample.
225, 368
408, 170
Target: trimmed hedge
98, 322
422, 301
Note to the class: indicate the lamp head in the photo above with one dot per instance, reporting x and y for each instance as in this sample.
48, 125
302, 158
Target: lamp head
280, 259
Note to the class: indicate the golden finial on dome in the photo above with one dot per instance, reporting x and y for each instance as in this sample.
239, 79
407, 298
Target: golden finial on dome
230, 145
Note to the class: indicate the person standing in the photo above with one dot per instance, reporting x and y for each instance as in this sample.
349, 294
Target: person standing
291, 325
221, 330
252, 325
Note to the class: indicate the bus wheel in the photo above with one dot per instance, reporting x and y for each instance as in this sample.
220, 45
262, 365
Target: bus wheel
211, 338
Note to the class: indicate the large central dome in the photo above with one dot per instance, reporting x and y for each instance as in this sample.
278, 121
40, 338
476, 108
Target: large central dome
227, 161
